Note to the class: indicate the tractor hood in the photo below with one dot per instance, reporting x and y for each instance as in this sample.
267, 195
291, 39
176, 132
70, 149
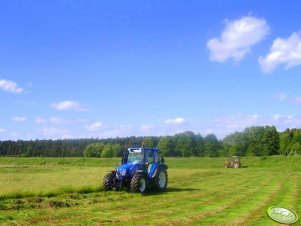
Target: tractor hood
127, 169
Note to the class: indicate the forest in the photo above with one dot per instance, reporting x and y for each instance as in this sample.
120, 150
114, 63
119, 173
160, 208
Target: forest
253, 141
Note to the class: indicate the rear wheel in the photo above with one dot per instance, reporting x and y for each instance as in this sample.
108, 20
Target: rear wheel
161, 180
108, 181
139, 183
236, 165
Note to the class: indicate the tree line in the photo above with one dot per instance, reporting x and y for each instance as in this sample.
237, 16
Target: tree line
253, 141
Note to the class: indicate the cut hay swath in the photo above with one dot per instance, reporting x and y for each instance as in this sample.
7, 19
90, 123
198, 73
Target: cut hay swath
54, 191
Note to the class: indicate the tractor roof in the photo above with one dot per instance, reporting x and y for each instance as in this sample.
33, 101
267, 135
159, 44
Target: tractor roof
143, 149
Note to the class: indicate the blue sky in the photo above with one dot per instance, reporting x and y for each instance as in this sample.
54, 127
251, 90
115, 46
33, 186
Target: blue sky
78, 69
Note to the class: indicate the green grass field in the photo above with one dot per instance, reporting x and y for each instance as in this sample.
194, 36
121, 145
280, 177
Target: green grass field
66, 191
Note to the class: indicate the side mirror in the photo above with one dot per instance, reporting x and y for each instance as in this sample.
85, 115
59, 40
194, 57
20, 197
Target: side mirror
162, 159
123, 160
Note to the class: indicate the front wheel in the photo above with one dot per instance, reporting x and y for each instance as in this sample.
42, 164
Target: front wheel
139, 183
108, 181
161, 180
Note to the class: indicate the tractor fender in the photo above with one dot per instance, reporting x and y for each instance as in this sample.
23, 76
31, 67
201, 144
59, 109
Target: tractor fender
111, 171
140, 171
160, 167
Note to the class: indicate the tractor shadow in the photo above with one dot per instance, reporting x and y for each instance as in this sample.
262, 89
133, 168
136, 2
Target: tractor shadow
172, 190
181, 189
244, 167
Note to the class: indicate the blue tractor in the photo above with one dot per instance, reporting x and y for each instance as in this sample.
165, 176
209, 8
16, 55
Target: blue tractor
141, 170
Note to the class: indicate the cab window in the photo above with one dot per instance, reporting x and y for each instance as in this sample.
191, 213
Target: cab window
156, 156
150, 157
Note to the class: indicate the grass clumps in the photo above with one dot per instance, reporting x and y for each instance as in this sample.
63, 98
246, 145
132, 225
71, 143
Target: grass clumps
200, 192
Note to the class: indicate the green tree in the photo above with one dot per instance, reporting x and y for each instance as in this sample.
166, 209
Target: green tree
271, 141
149, 142
286, 141
94, 150
296, 149
296, 136
108, 151
184, 143
198, 143
166, 146
237, 139
212, 145
255, 136
117, 150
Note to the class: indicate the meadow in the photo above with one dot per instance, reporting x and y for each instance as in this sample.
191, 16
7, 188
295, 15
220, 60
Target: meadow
67, 191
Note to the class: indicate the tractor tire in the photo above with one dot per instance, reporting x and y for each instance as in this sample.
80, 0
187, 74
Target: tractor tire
108, 182
139, 183
236, 165
161, 180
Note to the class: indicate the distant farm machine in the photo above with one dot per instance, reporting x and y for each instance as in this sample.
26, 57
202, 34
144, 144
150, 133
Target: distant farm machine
141, 170
233, 162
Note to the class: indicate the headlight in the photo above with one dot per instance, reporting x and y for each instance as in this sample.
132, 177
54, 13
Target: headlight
123, 172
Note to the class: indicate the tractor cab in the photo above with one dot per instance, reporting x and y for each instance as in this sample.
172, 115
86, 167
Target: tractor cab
235, 159
141, 155
147, 158
141, 164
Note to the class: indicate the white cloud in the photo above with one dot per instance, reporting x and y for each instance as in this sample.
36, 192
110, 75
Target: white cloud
228, 124
281, 96
82, 120
40, 120
175, 121
19, 119
120, 131
208, 131
10, 86
67, 136
297, 100
68, 105
57, 120
238, 121
2, 130
285, 121
14, 134
237, 38
95, 126
283, 51
55, 133
225, 125
100, 130
147, 127
291, 99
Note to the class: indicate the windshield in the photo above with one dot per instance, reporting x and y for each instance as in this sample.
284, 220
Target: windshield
135, 156
235, 158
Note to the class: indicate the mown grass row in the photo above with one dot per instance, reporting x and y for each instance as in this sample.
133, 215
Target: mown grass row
178, 209
293, 162
200, 193
22, 183
201, 206
21, 177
